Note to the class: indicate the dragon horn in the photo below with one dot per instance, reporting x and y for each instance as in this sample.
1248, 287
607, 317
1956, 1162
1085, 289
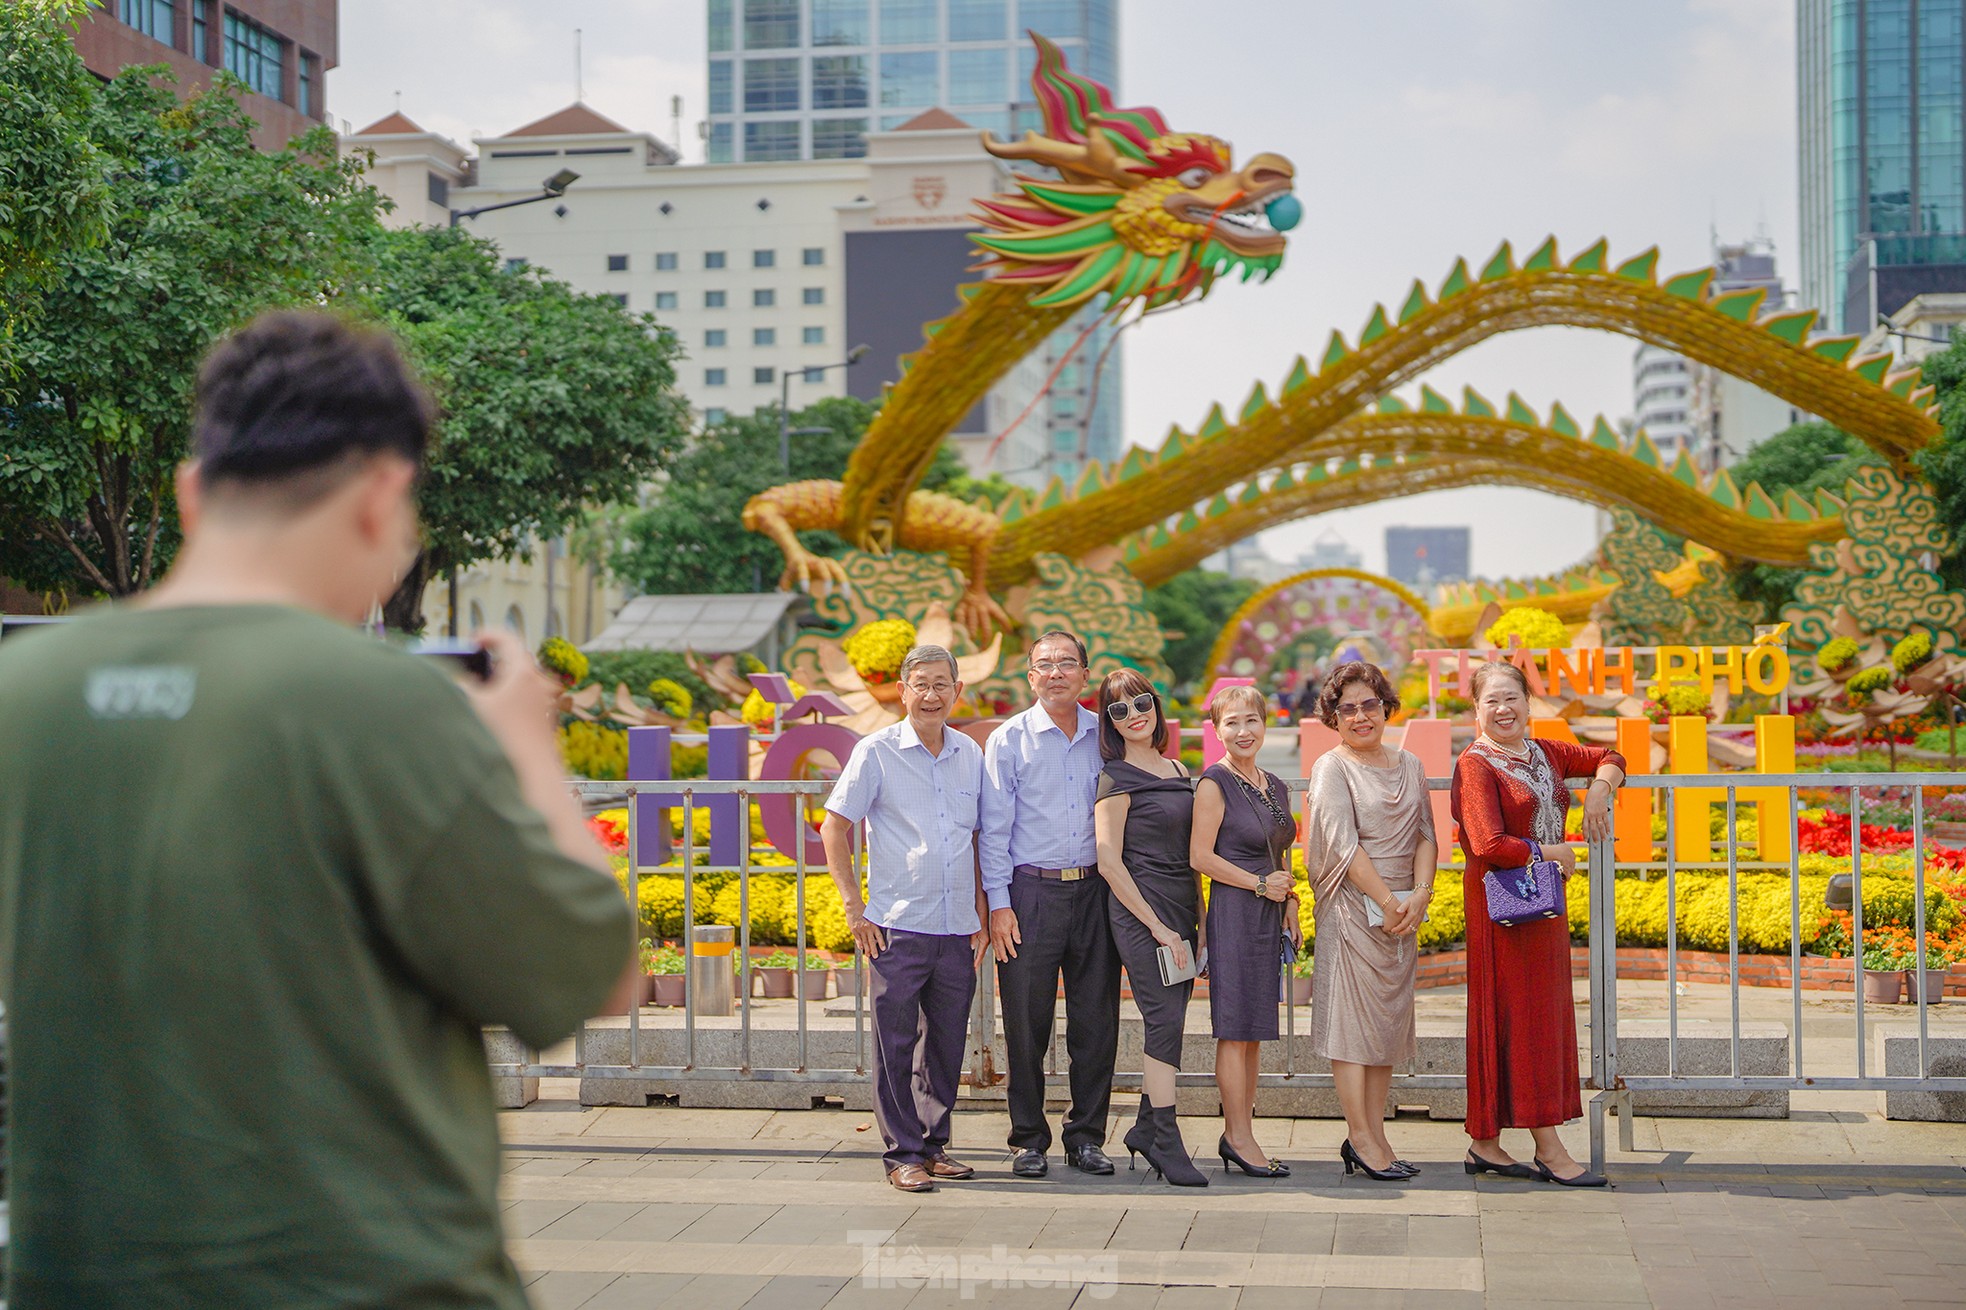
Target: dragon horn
1040, 150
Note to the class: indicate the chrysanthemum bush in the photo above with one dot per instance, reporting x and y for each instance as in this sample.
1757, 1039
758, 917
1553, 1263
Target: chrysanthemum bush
876, 650
1538, 629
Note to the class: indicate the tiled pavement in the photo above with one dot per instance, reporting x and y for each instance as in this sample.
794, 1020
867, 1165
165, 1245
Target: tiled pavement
707, 1209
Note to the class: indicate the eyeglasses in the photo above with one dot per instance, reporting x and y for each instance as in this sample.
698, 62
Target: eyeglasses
931, 688
1122, 710
1363, 708
1056, 666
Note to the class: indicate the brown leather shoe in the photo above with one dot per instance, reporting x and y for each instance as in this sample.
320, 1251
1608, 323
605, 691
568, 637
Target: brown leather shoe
941, 1166
911, 1178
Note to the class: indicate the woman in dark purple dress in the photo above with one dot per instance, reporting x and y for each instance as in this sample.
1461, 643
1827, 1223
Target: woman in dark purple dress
1241, 842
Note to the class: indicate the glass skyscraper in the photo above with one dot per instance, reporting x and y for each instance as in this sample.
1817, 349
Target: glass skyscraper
809, 79
1883, 154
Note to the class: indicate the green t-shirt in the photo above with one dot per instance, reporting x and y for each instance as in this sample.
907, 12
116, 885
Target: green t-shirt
262, 880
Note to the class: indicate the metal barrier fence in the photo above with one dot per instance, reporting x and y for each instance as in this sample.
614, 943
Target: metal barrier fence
1612, 1089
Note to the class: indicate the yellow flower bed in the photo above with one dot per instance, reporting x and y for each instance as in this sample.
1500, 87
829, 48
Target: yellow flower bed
876, 650
756, 710
1538, 628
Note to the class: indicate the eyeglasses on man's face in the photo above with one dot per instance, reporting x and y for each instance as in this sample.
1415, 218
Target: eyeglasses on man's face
1361, 708
1048, 667
1122, 710
940, 689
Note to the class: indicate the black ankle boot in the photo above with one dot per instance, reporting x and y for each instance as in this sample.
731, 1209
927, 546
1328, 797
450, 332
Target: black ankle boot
1139, 1139
1168, 1154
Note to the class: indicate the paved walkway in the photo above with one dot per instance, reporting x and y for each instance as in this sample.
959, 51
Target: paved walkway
613, 1208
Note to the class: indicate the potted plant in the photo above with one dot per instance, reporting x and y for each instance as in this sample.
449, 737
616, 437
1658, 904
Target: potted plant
664, 966
812, 978
844, 980
1300, 979
1885, 964
774, 973
1932, 976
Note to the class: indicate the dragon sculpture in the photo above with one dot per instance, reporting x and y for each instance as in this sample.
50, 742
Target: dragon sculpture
1150, 218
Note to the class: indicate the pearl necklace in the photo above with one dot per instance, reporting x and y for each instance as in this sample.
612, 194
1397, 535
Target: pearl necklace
1521, 756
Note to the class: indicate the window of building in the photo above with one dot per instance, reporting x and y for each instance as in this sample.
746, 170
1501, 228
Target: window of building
477, 613
1057, 19
911, 22
771, 85
713, 300
722, 148
720, 26
764, 259
201, 31
766, 142
515, 619
438, 188
813, 256
839, 82
310, 77
713, 338
763, 298
617, 263
771, 24
713, 377
156, 19
721, 84
839, 138
665, 300
910, 79
713, 259
812, 336
665, 261
839, 22
979, 20
813, 296
979, 77
764, 375
255, 56
815, 375
714, 415
515, 265
764, 336
621, 299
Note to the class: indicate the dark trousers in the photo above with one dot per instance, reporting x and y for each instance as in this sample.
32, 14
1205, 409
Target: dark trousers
921, 991
1066, 929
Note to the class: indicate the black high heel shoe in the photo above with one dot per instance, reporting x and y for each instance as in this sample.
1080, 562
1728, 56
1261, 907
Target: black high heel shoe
1349, 1154
1476, 1164
1274, 1169
1583, 1178
1167, 1155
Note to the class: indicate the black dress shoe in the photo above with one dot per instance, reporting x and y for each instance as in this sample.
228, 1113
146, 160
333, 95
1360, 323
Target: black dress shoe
1088, 1159
1481, 1164
1030, 1164
1582, 1178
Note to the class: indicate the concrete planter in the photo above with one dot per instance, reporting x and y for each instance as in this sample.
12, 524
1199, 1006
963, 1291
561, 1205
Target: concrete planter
1935, 986
1300, 991
666, 989
812, 983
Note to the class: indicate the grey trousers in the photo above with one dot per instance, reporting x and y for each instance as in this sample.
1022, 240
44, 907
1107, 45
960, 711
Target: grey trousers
921, 991
1066, 929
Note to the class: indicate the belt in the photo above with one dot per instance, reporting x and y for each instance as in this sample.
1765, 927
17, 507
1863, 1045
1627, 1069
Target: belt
1058, 875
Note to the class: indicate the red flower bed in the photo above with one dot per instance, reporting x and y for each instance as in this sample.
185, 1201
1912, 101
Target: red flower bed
611, 833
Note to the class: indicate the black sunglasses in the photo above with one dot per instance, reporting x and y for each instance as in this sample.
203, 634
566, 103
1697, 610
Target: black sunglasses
1122, 710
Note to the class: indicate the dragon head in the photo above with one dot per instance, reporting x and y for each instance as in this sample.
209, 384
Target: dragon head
1143, 213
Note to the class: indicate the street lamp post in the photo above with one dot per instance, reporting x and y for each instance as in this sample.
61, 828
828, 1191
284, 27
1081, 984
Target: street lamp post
551, 189
785, 429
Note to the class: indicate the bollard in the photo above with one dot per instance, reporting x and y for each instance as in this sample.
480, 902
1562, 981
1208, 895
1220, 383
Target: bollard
709, 967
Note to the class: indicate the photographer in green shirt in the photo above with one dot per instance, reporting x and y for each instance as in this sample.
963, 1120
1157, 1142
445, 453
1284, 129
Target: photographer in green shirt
264, 878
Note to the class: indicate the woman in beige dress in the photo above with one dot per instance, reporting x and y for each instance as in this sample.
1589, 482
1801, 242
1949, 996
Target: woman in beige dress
1370, 850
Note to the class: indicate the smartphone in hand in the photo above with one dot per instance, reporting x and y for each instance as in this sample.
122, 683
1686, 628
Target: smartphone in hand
468, 655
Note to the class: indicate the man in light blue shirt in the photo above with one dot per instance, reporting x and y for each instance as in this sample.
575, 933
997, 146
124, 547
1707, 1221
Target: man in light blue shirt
1049, 906
916, 784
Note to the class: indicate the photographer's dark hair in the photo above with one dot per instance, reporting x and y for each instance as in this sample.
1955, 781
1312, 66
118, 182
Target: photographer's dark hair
1119, 685
1345, 675
286, 402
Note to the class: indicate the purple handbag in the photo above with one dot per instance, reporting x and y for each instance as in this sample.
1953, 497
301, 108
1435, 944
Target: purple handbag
1519, 896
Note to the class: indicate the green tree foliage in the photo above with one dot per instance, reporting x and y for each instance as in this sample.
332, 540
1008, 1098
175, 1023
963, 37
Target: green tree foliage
638, 668
1944, 462
203, 232
54, 195
1804, 457
553, 401
1191, 608
691, 537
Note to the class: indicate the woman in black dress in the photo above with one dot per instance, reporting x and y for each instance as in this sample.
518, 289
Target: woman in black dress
1140, 820
1241, 840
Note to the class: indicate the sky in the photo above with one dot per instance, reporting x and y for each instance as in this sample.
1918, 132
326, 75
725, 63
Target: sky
1420, 129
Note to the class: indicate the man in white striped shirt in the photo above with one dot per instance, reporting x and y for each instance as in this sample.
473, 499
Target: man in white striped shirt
916, 784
